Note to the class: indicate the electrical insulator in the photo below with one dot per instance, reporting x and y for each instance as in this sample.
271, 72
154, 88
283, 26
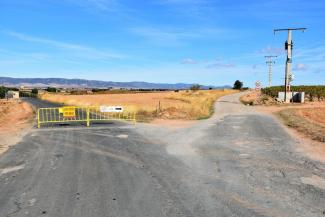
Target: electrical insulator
287, 44
291, 77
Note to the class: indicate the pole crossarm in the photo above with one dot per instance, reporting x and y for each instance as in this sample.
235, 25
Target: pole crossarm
289, 29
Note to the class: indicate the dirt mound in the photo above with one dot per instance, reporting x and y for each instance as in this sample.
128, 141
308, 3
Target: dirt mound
257, 98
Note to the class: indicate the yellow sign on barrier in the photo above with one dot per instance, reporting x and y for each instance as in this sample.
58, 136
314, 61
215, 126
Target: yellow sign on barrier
68, 111
70, 114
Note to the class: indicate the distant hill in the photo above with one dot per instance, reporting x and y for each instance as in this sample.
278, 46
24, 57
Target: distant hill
83, 83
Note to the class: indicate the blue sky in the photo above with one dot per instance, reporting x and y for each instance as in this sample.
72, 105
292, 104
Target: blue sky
210, 42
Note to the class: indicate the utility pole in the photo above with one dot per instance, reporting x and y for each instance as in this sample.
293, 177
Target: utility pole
288, 73
270, 63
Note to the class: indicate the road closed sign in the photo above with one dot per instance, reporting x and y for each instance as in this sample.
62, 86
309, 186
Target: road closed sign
68, 111
110, 109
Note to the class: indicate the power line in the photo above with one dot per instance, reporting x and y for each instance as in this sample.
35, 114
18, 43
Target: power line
270, 63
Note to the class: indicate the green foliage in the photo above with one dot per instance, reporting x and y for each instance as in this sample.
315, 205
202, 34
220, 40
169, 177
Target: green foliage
3, 91
311, 92
238, 85
34, 91
51, 89
195, 87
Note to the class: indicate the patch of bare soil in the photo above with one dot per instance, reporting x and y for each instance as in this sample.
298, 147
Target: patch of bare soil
15, 118
306, 124
315, 181
313, 149
307, 127
314, 115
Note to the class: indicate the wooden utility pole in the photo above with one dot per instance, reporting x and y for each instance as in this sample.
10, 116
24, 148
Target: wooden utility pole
288, 73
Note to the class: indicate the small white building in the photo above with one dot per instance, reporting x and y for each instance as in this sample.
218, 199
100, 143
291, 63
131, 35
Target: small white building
12, 94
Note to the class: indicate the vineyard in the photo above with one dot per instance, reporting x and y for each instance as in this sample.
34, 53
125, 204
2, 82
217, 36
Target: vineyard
312, 93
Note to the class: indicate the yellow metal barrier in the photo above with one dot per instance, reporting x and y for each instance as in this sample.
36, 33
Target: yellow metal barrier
69, 114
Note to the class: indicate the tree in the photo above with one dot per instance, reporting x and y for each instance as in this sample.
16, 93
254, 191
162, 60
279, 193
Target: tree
238, 85
51, 89
34, 91
195, 87
3, 91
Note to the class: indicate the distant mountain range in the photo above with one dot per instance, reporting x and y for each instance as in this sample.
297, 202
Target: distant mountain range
83, 83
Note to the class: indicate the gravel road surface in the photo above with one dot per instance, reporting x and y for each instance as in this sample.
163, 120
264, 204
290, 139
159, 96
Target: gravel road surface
237, 163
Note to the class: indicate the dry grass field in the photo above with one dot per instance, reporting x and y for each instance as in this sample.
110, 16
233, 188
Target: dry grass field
189, 105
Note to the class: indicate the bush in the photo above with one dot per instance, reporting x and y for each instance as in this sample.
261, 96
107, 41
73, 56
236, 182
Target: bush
3, 91
35, 91
195, 87
51, 89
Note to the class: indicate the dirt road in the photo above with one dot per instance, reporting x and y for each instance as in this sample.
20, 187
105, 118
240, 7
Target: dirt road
237, 163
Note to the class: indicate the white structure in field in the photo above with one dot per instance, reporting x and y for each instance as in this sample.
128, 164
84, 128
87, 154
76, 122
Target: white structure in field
291, 96
12, 94
105, 109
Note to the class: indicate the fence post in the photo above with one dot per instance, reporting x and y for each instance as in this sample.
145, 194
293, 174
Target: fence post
38, 119
88, 121
134, 119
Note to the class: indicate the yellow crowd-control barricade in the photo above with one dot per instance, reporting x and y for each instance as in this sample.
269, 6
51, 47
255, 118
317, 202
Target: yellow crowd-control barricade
70, 114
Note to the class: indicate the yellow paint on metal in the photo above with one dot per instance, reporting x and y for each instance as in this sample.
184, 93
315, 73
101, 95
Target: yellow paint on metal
38, 119
68, 111
80, 114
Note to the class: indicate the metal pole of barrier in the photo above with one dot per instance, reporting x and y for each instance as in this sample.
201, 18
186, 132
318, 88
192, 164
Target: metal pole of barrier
88, 121
38, 119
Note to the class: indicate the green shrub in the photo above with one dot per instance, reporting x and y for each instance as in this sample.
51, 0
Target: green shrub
3, 91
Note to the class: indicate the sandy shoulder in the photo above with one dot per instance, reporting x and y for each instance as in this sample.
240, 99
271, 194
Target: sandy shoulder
15, 120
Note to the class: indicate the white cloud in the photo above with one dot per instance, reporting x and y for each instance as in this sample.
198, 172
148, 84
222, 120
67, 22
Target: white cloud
300, 67
177, 36
271, 50
219, 63
163, 36
198, 9
81, 50
188, 61
106, 5
101, 5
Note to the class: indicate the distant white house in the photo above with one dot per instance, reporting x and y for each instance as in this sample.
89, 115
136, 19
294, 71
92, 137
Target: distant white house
12, 94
